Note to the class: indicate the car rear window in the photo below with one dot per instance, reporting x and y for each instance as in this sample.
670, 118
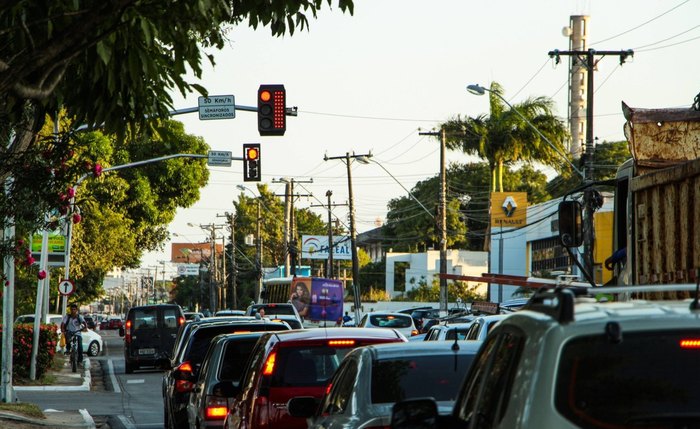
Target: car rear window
306, 365
236, 354
400, 378
272, 309
391, 321
201, 338
647, 379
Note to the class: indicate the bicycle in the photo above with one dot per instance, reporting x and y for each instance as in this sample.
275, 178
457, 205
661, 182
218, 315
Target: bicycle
74, 351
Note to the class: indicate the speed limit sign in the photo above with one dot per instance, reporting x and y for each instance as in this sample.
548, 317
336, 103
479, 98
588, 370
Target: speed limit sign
66, 287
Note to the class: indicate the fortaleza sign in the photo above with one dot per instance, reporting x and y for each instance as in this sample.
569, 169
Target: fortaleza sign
508, 209
316, 247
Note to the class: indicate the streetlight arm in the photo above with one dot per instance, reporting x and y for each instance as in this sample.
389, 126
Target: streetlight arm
480, 90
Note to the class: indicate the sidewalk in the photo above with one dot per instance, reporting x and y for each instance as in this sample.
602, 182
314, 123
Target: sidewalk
65, 381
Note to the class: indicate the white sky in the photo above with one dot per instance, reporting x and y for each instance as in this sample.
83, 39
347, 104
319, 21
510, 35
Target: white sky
367, 82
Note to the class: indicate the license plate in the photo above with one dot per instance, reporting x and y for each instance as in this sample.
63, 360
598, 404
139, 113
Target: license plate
147, 351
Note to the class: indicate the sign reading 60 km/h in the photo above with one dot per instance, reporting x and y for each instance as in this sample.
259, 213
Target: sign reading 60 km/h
217, 107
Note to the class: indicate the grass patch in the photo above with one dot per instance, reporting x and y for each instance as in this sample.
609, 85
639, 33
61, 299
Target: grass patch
24, 408
46, 379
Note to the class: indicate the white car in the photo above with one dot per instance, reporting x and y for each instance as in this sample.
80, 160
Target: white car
398, 321
92, 342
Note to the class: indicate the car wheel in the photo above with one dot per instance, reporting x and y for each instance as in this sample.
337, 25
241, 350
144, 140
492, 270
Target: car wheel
128, 367
93, 349
166, 421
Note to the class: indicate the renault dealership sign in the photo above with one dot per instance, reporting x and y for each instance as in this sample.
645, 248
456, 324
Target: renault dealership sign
316, 247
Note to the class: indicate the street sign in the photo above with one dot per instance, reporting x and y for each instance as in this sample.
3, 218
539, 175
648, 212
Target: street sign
66, 287
219, 158
217, 107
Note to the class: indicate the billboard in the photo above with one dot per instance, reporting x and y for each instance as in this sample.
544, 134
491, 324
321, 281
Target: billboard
192, 252
317, 298
316, 247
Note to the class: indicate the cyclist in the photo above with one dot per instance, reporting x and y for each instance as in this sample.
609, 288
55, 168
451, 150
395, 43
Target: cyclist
71, 325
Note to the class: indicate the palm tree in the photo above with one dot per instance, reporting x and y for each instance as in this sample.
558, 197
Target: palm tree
504, 138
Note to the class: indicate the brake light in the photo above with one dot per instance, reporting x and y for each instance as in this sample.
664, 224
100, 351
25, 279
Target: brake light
690, 343
182, 375
270, 364
328, 388
216, 408
127, 331
341, 343
180, 320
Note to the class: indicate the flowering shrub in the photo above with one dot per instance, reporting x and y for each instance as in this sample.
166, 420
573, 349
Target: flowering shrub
22, 349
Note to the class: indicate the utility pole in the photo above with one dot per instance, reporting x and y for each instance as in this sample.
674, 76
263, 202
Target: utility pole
290, 238
234, 270
331, 246
259, 256
353, 235
441, 220
587, 60
329, 272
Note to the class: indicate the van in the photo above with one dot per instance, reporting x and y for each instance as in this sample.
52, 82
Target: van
149, 335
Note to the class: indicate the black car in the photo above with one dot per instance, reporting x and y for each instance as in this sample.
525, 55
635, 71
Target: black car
422, 316
149, 335
180, 378
90, 322
219, 378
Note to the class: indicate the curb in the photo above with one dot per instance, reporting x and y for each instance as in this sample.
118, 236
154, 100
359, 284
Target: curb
87, 382
87, 422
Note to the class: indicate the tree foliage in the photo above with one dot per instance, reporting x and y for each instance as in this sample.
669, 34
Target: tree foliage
505, 137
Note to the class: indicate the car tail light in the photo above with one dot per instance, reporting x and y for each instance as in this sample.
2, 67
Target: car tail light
261, 417
328, 388
216, 407
127, 331
180, 321
183, 375
270, 364
690, 343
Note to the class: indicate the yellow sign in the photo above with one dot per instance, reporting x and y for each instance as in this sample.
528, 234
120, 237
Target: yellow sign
57, 243
508, 209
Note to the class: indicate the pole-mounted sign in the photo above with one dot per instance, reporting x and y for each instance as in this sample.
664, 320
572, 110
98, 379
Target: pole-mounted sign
217, 107
66, 287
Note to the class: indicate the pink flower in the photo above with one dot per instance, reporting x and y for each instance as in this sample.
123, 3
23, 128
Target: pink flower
77, 218
41, 275
71, 192
30, 260
97, 170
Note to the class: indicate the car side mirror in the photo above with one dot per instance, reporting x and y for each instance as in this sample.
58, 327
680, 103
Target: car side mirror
570, 224
420, 413
121, 331
302, 406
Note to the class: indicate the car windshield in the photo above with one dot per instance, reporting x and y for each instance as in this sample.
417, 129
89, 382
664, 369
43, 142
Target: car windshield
400, 378
271, 309
647, 379
390, 321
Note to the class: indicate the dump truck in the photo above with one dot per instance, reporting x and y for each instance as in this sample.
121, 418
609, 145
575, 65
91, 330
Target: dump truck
657, 200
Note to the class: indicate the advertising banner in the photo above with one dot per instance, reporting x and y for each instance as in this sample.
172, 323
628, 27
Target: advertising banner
508, 209
316, 247
317, 298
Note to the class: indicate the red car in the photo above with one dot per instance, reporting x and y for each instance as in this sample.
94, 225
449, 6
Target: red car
294, 363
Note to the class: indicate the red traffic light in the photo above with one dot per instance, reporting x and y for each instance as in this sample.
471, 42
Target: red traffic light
272, 110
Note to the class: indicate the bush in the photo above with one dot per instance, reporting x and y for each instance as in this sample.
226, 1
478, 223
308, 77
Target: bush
22, 349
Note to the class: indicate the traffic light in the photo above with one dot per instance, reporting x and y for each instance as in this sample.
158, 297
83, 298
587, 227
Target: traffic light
272, 110
251, 162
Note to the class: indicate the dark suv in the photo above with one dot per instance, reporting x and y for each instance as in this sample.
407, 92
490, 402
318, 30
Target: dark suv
149, 335
180, 379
